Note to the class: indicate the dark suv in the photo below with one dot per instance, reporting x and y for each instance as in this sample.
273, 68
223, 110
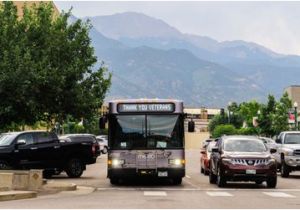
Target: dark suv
242, 158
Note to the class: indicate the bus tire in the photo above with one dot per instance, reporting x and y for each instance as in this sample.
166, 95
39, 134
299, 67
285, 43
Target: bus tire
114, 180
177, 180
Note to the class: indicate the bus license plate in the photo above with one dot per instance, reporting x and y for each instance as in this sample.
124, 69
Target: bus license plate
162, 173
250, 171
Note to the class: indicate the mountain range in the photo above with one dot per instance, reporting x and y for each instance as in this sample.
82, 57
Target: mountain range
149, 58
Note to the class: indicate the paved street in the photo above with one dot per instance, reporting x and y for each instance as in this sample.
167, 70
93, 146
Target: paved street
195, 192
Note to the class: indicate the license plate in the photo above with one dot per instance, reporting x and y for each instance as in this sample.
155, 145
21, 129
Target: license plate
162, 173
250, 171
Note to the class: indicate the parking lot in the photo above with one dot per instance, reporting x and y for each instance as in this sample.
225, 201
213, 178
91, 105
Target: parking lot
195, 192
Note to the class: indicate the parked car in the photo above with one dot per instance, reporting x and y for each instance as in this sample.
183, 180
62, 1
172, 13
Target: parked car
43, 150
288, 152
242, 158
103, 143
205, 157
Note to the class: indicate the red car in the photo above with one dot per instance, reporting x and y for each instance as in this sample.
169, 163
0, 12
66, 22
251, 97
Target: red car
205, 157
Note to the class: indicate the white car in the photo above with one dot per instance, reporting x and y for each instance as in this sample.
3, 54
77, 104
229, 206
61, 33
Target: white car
103, 144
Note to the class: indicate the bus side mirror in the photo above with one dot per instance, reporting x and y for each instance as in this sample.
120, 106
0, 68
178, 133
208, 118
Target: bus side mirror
102, 121
191, 126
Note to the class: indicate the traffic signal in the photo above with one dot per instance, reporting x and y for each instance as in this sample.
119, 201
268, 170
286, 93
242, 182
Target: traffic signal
102, 121
222, 112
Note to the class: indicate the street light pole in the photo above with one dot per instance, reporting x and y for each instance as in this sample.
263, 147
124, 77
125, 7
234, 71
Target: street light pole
296, 115
229, 106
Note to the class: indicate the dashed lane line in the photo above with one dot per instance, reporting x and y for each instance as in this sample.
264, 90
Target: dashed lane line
155, 193
279, 194
219, 194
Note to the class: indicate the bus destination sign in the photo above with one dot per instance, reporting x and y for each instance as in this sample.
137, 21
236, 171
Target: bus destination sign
165, 107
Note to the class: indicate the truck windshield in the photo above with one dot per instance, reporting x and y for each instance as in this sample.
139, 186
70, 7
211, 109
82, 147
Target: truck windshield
235, 145
292, 138
6, 139
146, 131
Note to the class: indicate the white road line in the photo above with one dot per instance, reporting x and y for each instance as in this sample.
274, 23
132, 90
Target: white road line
155, 193
190, 183
279, 194
187, 176
219, 194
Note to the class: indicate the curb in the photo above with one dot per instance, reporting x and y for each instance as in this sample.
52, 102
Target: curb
60, 186
16, 195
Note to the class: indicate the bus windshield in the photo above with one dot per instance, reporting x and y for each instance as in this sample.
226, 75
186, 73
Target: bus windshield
146, 131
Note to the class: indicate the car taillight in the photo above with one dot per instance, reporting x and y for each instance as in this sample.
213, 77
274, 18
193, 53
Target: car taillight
94, 148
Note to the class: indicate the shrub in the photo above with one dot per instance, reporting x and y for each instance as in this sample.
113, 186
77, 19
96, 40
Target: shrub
224, 130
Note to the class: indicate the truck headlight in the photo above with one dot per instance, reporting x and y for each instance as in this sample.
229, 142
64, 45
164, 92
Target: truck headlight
177, 162
288, 152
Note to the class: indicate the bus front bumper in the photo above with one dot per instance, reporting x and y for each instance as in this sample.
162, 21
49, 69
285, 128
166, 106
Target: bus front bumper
133, 172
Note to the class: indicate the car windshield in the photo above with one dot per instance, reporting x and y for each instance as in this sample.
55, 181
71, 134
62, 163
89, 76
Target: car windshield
292, 138
146, 131
7, 139
251, 145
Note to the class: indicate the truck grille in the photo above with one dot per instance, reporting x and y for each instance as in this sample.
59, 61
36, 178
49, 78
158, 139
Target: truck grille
297, 152
250, 162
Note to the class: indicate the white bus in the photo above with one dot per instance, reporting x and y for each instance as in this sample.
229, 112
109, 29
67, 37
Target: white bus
146, 138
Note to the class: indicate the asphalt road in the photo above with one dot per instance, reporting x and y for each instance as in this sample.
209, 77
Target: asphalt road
195, 192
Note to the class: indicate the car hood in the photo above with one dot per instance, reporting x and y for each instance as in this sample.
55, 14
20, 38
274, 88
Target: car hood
247, 154
291, 146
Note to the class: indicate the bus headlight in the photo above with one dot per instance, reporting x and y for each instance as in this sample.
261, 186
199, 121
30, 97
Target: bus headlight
116, 162
176, 162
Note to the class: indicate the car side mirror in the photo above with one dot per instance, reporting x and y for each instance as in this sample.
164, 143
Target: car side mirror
278, 141
21, 142
215, 149
273, 150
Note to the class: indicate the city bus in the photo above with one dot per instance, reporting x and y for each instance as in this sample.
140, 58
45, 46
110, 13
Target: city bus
146, 139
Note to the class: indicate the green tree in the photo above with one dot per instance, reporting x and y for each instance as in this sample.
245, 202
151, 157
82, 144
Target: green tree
265, 117
223, 130
47, 67
280, 116
249, 110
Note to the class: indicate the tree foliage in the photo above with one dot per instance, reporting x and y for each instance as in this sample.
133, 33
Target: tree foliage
47, 67
223, 130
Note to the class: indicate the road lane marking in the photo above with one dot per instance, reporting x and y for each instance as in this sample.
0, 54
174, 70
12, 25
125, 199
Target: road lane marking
279, 194
190, 183
219, 194
187, 176
155, 193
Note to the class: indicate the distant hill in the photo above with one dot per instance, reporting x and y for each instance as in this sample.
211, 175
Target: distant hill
149, 58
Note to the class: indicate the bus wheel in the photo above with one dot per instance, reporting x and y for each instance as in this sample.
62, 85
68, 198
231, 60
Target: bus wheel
177, 180
114, 181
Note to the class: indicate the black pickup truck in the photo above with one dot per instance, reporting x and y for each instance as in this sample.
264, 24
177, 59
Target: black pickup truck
43, 150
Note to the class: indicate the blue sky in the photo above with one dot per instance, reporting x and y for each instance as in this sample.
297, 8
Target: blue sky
272, 24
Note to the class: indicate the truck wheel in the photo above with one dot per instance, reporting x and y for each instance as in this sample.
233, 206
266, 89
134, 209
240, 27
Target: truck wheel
74, 168
104, 151
47, 174
285, 171
272, 182
4, 165
258, 182
221, 180
177, 180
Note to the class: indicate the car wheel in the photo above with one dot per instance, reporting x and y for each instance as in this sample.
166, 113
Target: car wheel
221, 180
272, 182
177, 180
285, 171
202, 171
104, 151
212, 177
114, 181
258, 182
75, 168
206, 172
4, 165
